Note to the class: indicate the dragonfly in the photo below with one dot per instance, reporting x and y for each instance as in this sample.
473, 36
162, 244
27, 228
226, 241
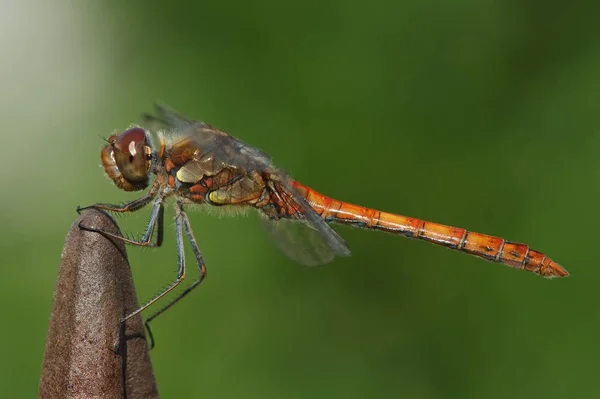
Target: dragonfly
200, 165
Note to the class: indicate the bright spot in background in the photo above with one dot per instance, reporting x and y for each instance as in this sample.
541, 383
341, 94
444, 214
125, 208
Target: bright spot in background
53, 58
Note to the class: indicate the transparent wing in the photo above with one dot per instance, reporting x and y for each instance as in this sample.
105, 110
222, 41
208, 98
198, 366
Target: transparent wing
220, 147
307, 213
303, 236
167, 118
299, 241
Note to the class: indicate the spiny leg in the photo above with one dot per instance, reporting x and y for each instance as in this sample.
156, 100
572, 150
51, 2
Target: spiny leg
127, 207
156, 222
180, 263
201, 274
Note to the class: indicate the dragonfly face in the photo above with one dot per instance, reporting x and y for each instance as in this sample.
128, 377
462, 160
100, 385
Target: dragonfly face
127, 159
202, 165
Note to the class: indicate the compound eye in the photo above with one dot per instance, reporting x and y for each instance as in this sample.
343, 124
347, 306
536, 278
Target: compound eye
129, 154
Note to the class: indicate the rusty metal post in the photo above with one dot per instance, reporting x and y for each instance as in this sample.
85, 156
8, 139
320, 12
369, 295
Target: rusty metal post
89, 353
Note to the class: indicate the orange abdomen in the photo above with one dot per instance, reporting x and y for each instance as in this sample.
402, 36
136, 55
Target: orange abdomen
491, 248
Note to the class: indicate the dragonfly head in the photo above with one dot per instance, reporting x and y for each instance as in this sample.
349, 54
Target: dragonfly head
127, 158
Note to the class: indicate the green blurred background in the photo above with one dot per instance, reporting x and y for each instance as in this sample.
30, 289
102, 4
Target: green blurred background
479, 114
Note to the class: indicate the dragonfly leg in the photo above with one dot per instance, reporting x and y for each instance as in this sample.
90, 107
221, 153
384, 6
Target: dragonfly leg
201, 269
127, 207
179, 222
155, 223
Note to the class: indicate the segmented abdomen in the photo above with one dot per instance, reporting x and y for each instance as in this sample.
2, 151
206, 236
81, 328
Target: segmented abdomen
491, 248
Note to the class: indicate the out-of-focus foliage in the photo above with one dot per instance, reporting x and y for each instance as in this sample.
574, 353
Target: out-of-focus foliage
483, 115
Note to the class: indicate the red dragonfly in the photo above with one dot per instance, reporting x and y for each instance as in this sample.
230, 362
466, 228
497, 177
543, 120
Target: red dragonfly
201, 165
